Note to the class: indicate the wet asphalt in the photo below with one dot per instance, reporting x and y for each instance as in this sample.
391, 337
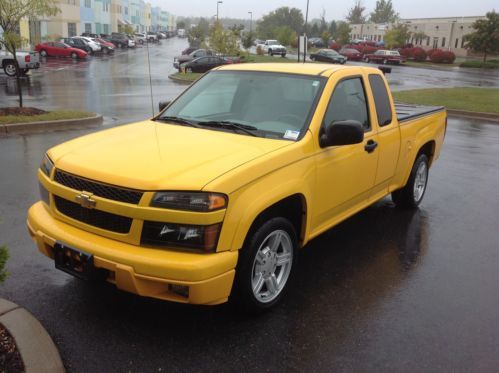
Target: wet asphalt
387, 290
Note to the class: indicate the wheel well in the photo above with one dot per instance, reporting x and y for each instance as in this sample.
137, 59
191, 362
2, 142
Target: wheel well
292, 208
428, 149
5, 62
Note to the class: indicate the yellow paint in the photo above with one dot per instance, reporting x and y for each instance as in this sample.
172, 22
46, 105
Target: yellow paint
332, 183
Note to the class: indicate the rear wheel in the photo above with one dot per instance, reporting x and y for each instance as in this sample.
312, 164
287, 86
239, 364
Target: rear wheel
266, 265
10, 68
411, 195
283, 54
385, 62
367, 60
270, 52
119, 45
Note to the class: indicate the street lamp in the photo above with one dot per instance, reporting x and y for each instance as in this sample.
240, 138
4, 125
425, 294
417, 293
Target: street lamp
251, 22
218, 2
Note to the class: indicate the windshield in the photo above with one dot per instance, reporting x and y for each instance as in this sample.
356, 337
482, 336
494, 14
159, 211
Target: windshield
275, 105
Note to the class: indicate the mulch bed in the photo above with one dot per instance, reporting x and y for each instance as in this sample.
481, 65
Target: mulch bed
30, 111
10, 359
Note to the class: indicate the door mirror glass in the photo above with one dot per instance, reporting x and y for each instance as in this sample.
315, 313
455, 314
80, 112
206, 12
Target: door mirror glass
345, 132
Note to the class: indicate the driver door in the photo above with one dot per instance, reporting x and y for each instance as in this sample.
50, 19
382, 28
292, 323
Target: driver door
345, 174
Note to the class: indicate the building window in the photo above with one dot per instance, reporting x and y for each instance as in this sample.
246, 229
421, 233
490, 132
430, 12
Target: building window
71, 29
126, 10
457, 43
88, 27
428, 41
462, 43
435, 43
106, 29
443, 42
88, 3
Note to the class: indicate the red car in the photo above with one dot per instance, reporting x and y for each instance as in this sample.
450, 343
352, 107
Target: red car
105, 43
351, 54
58, 49
385, 57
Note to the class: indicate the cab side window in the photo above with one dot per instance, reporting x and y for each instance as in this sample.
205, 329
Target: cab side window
348, 103
381, 100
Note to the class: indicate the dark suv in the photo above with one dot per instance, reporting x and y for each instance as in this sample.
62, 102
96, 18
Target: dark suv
118, 39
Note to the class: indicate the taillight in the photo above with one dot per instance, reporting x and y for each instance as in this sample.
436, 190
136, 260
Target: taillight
27, 58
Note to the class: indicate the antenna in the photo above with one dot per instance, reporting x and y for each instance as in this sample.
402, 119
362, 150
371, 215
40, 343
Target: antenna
150, 79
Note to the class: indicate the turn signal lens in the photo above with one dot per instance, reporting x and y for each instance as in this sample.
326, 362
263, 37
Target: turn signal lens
47, 165
190, 201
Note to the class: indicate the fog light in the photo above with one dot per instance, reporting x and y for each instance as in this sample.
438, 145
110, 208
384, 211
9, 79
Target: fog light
181, 290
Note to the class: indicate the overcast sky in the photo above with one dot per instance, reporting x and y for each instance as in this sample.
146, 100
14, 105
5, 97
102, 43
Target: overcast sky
336, 9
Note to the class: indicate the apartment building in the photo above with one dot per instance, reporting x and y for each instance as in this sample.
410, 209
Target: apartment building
97, 16
444, 33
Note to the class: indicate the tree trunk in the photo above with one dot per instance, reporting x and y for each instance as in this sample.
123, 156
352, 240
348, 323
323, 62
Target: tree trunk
485, 56
18, 81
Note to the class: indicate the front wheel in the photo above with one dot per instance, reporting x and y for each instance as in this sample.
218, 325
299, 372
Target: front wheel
385, 62
411, 195
367, 60
266, 265
43, 53
74, 56
10, 69
283, 55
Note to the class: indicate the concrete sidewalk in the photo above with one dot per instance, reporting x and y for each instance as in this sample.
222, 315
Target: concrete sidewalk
37, 349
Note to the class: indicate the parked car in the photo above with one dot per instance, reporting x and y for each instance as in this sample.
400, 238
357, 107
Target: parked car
106, 46
328, 55
316, 42
273, 47
25, 60
140, 38
189, 50
90, 35
351, 54
78, 43
120, 40
152, 37
58, 49
203, 64
91, 43
213, 199
177, 61
385, 57
161, 35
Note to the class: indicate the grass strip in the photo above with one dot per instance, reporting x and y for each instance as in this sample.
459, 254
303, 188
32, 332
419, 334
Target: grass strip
51, 116
470, 99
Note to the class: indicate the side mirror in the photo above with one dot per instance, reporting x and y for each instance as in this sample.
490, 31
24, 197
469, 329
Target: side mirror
163, 105
345, 132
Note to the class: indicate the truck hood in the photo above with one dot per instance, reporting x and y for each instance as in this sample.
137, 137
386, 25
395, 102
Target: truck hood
158, 156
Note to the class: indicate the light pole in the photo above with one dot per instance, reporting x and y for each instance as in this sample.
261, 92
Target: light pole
218, 2
251, 22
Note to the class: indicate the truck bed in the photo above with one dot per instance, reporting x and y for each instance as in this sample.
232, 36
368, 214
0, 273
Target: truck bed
407, 112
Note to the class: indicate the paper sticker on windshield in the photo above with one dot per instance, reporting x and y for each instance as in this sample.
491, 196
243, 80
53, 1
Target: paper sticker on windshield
291, 135
315, 83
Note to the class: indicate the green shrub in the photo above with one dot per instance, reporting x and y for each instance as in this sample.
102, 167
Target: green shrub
4, 256
480, 64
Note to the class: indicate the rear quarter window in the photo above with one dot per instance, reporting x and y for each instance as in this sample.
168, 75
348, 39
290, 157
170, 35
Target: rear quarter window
381, 100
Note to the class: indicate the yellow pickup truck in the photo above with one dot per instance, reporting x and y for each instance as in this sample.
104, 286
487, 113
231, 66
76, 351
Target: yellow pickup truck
213, 198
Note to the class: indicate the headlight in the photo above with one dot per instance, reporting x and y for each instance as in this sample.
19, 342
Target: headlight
47, 165
203, 237
190, 201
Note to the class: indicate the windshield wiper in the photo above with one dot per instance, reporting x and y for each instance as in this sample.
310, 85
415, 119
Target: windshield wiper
250, 130
179, 120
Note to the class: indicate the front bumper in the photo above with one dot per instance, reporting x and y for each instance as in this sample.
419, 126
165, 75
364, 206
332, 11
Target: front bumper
143, 271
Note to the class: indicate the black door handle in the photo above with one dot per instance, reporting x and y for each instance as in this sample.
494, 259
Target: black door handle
370, 146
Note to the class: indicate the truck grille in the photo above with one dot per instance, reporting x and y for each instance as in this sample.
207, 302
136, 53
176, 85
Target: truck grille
96, 218
99, 189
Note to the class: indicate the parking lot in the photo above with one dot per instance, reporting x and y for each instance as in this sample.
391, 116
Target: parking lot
387, 290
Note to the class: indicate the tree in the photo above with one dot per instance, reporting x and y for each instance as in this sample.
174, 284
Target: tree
223, 41
285, 35
181, 24
237, 29
485, 38
325, 36
4, 256
397, 36
129, 29
284, 16
248, 39
11, 14
197, 35
383, 13
356, 13
333, 29
343, 33
323, 22
314, 30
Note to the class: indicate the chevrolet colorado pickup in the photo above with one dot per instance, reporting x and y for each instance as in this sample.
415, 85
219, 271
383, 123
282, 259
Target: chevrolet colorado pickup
213, 198
25, 60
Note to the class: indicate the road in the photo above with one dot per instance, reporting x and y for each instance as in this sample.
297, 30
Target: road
387, 290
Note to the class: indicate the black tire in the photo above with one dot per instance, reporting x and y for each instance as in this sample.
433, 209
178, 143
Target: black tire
385, 62
408, 196
24, 72
43, 53
270, 275
119, 45
10, 68
74, 55
368, 60
283, 55
270, 52
105, 50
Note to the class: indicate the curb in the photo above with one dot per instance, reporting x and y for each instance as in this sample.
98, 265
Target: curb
182, 81
43, 126
38, 351
473, 115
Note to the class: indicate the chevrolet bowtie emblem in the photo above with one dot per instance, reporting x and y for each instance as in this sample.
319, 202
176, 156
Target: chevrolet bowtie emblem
85, 200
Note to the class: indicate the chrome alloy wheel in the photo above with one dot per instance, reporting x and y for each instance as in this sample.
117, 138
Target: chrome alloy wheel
272, 266
10, 69
420, 181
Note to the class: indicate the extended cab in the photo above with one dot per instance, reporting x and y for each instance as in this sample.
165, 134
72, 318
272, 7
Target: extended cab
214, 197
